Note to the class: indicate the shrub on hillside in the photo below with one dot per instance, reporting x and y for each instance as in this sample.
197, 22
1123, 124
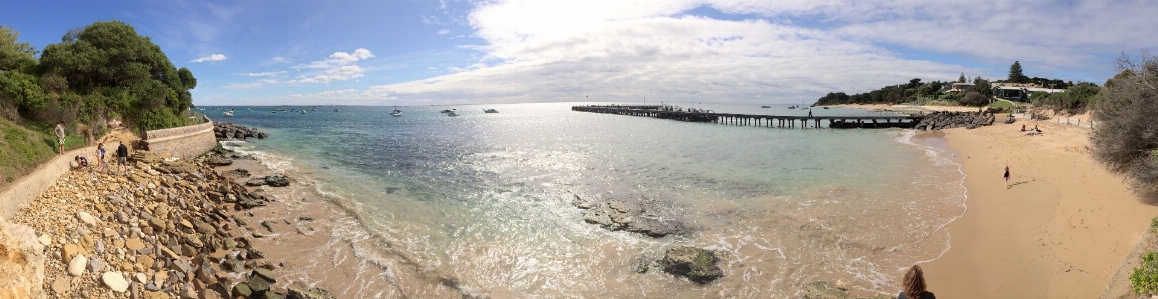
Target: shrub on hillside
1125, 138
973, 98
1144, 280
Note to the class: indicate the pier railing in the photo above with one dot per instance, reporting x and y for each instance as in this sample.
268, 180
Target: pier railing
757, 120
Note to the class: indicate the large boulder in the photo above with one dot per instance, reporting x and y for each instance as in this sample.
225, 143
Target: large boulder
216, 160
297, 292
277, 181
698, 265
620, 215
21, 262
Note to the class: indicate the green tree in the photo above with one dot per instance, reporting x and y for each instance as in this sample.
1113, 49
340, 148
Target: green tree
14, 54
1125, 138
1015, 74
962, 79
129, 69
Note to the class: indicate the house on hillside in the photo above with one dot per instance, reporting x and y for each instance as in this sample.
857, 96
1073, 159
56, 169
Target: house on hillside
956, 87
1018, 91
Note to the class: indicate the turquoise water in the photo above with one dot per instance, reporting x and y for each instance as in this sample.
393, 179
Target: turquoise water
487, 197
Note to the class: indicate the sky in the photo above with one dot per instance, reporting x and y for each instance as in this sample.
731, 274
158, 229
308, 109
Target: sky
411, 52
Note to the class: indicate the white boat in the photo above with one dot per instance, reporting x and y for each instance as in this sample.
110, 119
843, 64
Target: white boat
303, 112
396, 113
491, 111
452, 113
228, 113
335, 110
315, 109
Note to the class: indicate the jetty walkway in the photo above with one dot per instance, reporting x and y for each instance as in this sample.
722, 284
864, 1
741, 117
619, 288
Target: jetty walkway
758, 120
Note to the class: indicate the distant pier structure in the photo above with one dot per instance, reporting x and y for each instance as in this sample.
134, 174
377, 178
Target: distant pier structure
757, 120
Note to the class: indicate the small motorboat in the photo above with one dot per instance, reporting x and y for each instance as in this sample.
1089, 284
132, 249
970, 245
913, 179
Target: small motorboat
791, 107
228, 113
445, 111
335, 110
765, 106
491, 111
396, 113
303, 112
825, 107
315, 109
274, 112
452, 113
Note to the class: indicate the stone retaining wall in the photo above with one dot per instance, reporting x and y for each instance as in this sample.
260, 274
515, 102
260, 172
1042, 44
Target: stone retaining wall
26, 188
184, 142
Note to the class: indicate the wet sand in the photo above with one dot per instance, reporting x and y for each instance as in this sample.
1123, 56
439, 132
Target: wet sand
324, 245
1060, 231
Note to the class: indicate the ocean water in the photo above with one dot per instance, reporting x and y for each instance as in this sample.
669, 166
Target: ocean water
487, 198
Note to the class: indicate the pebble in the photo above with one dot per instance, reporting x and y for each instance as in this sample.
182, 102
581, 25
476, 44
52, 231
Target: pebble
115, 281
96, 264
134, 244
45, 240
141, 278
62, 285
76, 266
86, 217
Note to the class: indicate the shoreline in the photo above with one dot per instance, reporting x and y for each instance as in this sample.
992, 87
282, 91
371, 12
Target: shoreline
1060, 231
325, 243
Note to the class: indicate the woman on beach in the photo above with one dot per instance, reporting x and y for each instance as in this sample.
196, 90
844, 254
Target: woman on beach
100, 156
914, 283
1006, 177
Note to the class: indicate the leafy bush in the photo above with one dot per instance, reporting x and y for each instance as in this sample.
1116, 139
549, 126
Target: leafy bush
1077, 99
973, 98
1126, 134
1144, 280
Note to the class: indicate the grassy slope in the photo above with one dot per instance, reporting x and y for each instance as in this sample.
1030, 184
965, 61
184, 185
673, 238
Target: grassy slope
23, 149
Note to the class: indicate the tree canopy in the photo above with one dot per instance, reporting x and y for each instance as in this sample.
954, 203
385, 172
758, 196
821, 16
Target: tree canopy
1125, 138
13, 53
103, 70
1015, 73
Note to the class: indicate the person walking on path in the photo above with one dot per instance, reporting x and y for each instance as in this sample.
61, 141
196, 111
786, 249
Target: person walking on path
59, 138
122, 157
1006, 177
914, 283
809, 112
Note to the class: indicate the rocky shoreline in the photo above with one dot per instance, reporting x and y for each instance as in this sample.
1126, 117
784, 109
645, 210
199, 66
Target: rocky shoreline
164, 229
230, 131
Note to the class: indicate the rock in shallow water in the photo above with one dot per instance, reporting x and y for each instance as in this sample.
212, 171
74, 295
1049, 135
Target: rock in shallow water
698, 265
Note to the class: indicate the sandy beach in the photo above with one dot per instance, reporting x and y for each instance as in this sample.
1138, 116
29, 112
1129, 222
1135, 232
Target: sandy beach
1061, 230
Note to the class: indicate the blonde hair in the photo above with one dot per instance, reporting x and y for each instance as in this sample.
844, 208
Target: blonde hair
914, 282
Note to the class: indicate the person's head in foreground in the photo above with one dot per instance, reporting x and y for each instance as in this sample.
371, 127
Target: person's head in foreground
914, 282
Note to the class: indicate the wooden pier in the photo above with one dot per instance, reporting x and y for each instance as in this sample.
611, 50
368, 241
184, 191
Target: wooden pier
758, 120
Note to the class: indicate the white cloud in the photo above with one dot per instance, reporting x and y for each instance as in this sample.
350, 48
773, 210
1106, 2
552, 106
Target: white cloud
791, 51
264, 74
214, 57
252, 85
277, 60
444, 31
340, 66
